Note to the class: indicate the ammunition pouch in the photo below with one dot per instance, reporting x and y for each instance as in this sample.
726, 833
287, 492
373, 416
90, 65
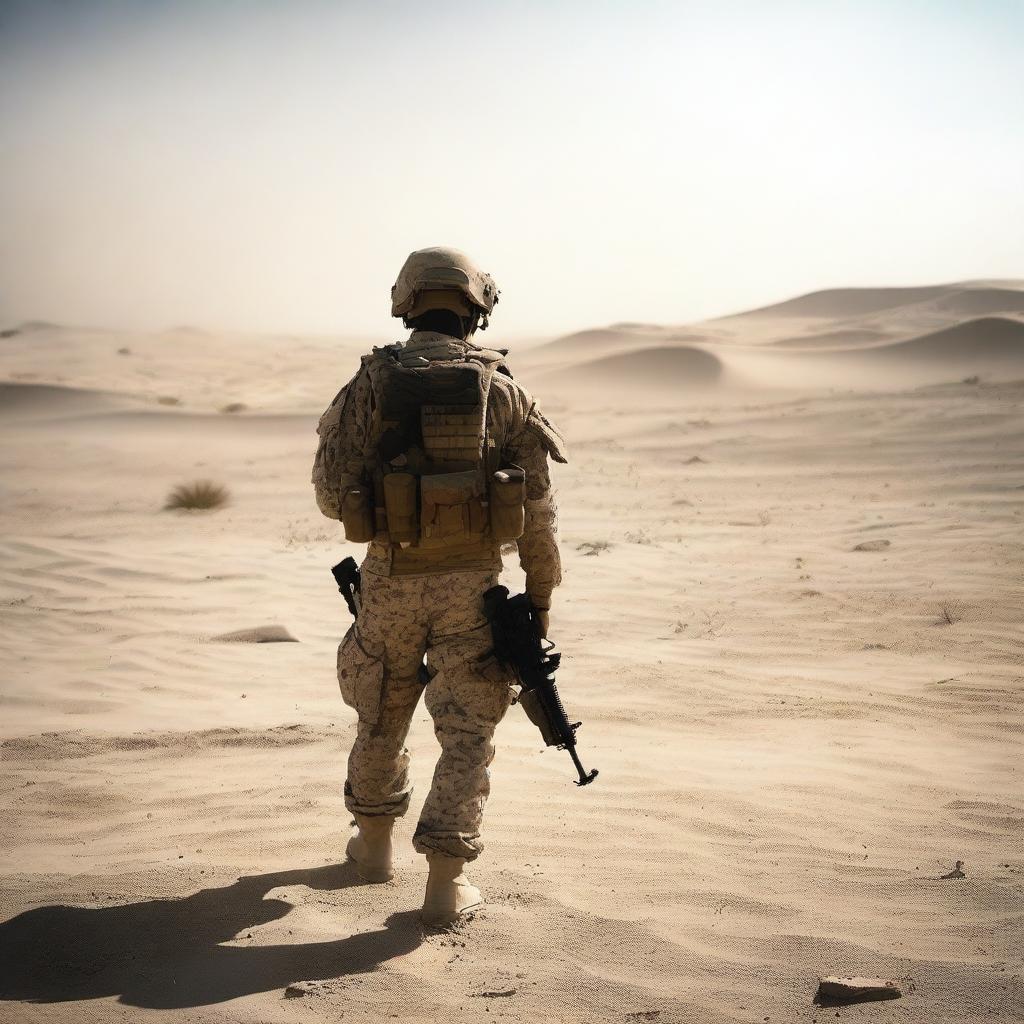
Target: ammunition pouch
507, 503
451, 509
357, 515
400, 506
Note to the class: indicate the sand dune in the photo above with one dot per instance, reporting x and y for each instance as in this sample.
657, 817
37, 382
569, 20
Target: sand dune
791, 625
967, 299
43, 401
981, 301
32, 327
587, 343
264, 372
861, 316
831, 339
662, 366
846, 302
990, 348
980, 342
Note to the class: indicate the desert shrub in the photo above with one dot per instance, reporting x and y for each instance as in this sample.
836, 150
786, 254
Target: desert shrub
203, 494
951, 612
640, 536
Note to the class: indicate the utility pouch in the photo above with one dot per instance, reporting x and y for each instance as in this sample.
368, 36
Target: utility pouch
452, 508
507, 503
357, 514
400, 505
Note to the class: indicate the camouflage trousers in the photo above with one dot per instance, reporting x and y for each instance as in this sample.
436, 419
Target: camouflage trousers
401, 618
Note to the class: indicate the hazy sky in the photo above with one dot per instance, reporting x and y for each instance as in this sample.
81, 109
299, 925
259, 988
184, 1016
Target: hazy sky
269, 165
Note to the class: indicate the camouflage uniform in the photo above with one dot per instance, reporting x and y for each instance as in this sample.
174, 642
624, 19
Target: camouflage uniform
403, 617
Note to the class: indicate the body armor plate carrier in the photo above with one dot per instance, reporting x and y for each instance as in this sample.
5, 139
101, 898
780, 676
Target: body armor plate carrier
440, 497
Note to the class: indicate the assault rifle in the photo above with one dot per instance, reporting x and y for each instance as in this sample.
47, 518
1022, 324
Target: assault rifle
519, 645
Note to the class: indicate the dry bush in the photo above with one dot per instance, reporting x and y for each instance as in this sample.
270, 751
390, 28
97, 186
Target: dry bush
641, 536
203, 494
951, 612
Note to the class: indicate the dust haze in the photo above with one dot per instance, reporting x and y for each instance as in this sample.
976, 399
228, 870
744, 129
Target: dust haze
762, 267
265, 166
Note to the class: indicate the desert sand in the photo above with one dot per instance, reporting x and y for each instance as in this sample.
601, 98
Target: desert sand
791, 622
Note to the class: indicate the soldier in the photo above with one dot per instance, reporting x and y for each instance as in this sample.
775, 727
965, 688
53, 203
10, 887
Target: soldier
434, 455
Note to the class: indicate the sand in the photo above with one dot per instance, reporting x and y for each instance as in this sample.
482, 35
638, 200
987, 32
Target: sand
799, 728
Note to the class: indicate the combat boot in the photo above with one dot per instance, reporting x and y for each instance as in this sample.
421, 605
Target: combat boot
450, 894
370, 847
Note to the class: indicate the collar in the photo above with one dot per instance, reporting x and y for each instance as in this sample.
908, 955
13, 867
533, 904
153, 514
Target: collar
430, 339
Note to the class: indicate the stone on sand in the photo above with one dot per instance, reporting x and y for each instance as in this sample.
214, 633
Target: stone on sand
258, 635
855, 990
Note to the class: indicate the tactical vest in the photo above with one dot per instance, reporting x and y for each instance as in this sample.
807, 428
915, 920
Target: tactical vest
436, 491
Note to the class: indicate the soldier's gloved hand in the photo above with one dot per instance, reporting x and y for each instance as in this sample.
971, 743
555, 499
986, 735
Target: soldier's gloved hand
542, 620
540, 597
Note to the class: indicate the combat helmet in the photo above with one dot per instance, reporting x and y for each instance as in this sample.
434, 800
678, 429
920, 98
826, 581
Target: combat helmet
442, 278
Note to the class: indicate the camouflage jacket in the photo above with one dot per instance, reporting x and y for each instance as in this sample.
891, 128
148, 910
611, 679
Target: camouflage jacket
525, 435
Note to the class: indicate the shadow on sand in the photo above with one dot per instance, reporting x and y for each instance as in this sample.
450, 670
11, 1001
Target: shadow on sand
168, 953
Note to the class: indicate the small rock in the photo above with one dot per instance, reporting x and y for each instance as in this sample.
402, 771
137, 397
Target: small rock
835, 991
873, 545
957, 871
233, 407
257, 635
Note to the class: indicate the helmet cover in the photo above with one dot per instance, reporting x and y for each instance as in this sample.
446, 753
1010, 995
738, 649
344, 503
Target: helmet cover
436, 270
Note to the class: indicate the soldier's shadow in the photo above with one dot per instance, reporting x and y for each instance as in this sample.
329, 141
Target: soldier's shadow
169, 953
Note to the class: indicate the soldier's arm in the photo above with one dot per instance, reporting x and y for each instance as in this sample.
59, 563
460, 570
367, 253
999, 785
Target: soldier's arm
343, 430
530, 447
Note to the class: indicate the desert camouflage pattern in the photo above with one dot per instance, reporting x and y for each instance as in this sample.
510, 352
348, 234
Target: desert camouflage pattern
402, 618
345, 458
440, 614
441, 269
